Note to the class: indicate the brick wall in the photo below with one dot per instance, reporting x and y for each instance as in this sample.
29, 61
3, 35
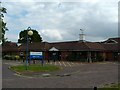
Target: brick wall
64, 55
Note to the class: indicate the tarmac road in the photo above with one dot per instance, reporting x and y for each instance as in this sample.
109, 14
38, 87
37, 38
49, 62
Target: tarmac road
82, 76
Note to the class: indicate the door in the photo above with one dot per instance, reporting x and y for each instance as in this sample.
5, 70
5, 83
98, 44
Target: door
54, 55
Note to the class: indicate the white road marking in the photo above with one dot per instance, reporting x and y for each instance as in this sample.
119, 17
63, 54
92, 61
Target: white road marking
69, 64
60, 63
64, 64
76, 63
55, 63
72, 63
50, 62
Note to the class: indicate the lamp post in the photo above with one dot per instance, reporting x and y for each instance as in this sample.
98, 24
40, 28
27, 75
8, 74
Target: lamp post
29, 33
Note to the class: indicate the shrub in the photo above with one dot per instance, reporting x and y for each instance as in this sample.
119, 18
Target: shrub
7, 57
11, 57
17, 57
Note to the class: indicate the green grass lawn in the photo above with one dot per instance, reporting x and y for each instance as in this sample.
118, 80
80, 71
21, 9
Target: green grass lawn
35, 68
111, 87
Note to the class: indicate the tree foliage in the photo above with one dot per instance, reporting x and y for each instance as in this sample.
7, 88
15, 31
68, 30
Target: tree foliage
34, 38
3, 27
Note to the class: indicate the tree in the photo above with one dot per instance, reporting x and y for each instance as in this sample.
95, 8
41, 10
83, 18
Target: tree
34, 38
3, 27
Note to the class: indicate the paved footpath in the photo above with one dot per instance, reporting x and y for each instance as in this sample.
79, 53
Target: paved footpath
77, 76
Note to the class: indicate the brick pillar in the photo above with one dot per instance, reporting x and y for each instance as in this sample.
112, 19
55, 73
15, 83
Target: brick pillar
89, 57
64, 55
104, 56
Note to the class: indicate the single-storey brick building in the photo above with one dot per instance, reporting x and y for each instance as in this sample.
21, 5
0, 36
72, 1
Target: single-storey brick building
10, 48
112, 48
71, 50
76, 50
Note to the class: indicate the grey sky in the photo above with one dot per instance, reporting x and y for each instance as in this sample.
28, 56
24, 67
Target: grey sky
62, 21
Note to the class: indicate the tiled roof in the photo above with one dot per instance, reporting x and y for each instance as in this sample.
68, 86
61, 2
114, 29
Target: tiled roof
77, 46
112, 39
116, 39
74, 46
111, 47
93, 46
64, 46
8, 47
32, 47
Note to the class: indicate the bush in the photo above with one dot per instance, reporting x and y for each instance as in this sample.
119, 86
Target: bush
17, 57
11, 57
7, 57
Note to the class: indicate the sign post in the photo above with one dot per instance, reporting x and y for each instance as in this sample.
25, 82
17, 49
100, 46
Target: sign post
37, 56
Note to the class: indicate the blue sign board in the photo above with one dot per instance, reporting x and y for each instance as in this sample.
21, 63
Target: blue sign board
36, 55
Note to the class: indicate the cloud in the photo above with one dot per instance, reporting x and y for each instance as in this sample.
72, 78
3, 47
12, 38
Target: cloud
51, 34
61, 21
